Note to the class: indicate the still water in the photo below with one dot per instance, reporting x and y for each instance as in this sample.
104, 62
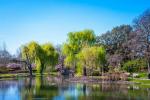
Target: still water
55, 88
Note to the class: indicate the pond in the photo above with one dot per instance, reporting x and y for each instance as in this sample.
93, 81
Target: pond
55, 88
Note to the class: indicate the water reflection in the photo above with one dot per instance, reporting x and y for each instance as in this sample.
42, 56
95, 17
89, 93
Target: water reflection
10, 90
55, 88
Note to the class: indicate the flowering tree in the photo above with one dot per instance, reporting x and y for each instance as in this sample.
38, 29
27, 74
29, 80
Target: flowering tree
14, 66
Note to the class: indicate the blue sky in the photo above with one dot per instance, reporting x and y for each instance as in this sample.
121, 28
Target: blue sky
22, 21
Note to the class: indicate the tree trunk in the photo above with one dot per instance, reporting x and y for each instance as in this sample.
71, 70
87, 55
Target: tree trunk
84, 71
74, 66
42, 68
148, 69
148, 34
30, 69
29, 64
102, 70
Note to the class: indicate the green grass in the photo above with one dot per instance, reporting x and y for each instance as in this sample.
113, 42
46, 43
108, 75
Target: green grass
17, 75
140, 81
7, 75
14, 75
142, 75
46, 74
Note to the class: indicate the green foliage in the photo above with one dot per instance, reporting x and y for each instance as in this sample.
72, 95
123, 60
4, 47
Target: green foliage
85, 37
33, 49
51, 56
69, 52
96, 73
92, 57
134, 65
41, 55
142, 75
75, 42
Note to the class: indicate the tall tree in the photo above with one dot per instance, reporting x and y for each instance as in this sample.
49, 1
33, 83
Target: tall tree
41, 55
114, 42
75, 42
91, 57
142, 29
50, 57
28, 60
114, 39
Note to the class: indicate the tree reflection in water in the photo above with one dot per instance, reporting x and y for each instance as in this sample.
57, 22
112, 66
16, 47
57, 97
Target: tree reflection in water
55, 88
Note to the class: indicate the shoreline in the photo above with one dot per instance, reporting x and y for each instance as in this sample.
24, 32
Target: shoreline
94, 80
79, 79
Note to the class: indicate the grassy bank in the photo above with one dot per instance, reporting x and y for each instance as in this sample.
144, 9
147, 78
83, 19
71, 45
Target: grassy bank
141, 81
18, 75
141, 78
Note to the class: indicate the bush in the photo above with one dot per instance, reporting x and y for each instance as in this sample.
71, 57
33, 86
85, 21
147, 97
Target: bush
142, 75
96, 73
115, 76
3, 69
134, 65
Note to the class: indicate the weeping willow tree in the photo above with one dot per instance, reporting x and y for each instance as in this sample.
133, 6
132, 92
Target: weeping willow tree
41, 55
75, 42
91, 58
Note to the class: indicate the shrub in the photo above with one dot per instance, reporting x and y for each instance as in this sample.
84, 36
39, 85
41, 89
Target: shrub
3, 69
142, 75
134, 65
96, 73
115, 76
